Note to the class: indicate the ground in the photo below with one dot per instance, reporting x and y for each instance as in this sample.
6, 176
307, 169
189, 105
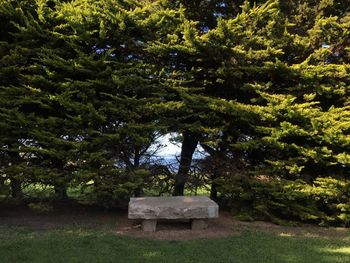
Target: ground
118, 223
83, 234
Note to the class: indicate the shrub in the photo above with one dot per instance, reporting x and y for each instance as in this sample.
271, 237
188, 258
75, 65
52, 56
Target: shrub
325, 202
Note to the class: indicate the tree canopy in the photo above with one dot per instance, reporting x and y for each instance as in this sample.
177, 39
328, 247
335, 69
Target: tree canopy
87, 87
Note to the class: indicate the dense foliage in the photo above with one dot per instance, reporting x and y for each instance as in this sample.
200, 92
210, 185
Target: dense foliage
326, 202
88, 87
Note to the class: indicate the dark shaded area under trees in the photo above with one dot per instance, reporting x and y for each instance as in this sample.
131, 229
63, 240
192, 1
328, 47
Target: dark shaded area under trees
87, 88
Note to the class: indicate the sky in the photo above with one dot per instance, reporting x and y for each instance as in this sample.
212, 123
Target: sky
170, 147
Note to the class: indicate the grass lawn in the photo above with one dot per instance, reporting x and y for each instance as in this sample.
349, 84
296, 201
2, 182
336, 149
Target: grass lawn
76, 244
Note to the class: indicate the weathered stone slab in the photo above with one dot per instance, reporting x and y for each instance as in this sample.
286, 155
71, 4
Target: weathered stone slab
175, 207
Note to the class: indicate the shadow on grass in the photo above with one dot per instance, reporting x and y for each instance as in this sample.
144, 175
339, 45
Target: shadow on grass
81, 245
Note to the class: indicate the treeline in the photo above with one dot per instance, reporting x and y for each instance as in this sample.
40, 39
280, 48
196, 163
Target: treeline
87, 87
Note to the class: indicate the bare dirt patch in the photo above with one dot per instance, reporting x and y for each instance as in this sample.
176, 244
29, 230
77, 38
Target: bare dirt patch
181, 230
118, 223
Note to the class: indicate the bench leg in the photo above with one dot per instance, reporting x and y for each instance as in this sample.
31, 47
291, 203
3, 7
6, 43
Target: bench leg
198, 224
149, 225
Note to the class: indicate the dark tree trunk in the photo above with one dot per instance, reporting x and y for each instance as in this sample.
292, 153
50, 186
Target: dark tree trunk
59, 186
137, 160
189, 144
15, 184
139, 190
61, 192
215, 174
213, 189
16, 189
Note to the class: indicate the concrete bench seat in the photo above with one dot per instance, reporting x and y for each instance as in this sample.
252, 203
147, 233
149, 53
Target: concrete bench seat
196, 208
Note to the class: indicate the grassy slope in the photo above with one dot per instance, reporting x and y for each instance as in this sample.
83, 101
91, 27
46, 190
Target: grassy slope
91, 245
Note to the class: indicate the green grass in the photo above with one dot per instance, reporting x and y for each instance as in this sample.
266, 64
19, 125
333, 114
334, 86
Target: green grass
98, 245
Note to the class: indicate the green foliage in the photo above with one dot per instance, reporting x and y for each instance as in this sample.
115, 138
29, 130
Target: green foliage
112, 190
78, 107
87, 87
279, 97
324, 202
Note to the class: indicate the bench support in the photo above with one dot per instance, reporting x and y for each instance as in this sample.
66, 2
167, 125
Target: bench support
149, 225
197, 224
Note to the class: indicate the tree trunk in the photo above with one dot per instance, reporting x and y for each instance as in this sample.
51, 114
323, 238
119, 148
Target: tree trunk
189, 144
16, 189
139, 190
2, 182
215, 155
61, 192
213, 189
15, 184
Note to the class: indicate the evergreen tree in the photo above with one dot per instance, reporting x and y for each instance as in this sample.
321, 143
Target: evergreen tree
85, 94
227, 72
86, 86
301, 94
14, 125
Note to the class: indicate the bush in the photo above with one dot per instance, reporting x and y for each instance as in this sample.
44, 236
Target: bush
115, 189
325, 202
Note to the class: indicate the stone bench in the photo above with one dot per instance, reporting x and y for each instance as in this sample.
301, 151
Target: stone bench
196, 208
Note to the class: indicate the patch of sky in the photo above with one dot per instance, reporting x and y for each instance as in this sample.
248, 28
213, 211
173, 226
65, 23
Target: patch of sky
170, 151
205, 29
222, 4
218, 14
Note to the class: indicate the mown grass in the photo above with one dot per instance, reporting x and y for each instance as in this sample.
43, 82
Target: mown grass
100, 245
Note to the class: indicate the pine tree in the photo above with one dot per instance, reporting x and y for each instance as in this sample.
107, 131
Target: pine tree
85, 95
86, 86
301, 94
14, 124
230, 69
